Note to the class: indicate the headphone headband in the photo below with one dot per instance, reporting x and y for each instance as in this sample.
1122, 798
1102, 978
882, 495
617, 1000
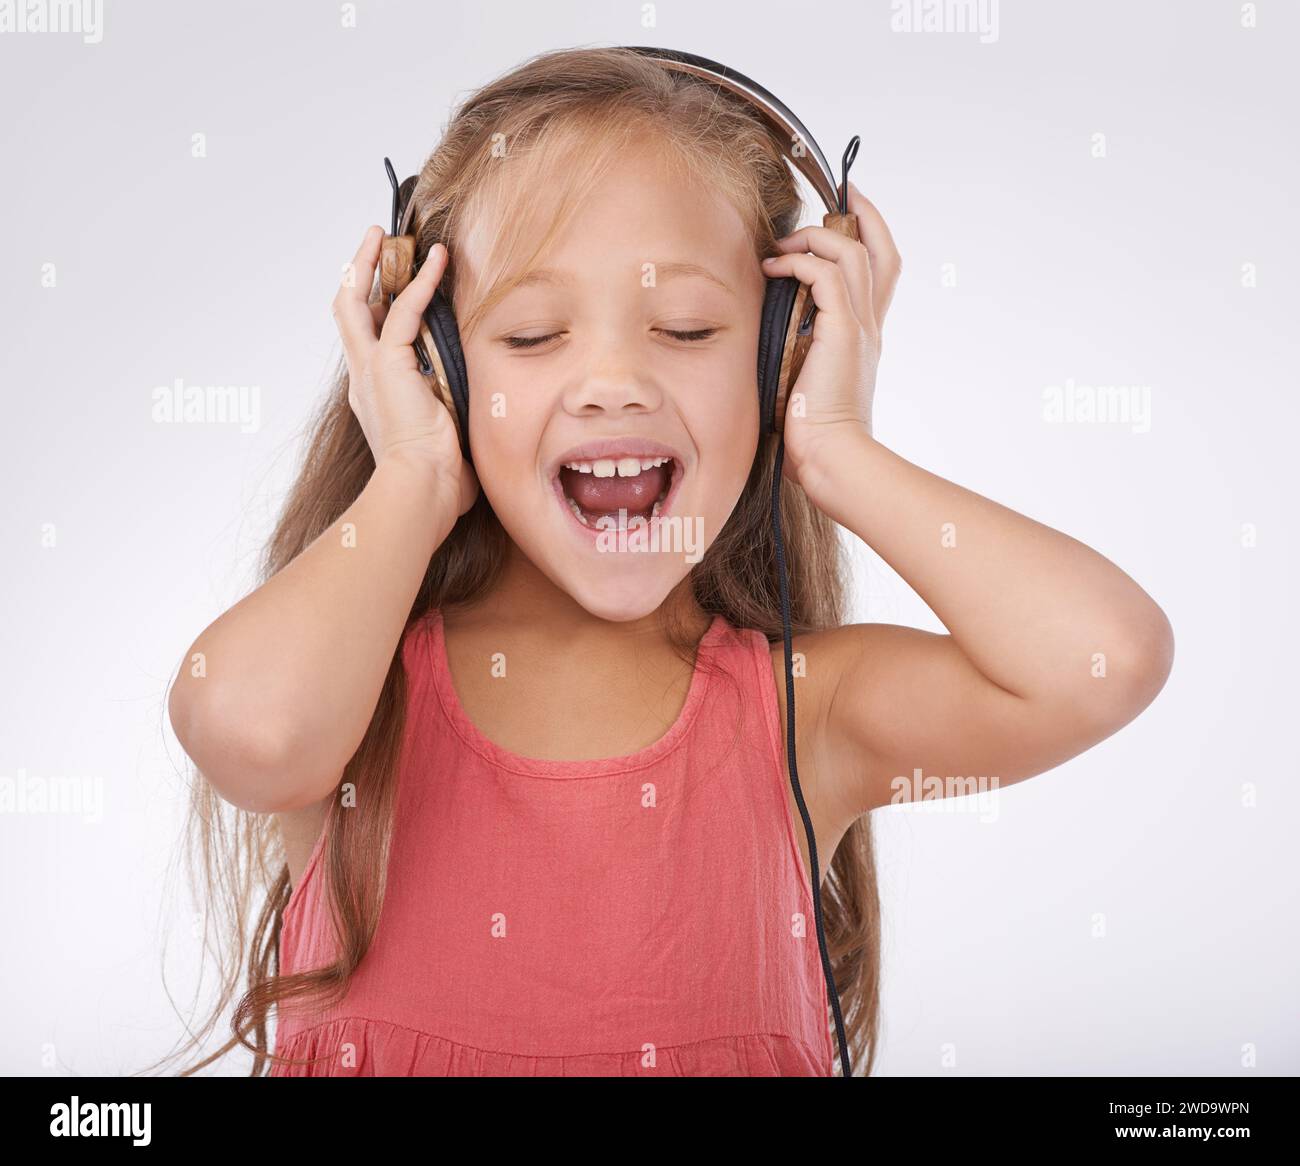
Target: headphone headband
779, 117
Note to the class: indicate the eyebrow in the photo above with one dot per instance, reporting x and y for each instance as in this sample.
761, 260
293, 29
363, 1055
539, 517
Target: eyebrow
663, 271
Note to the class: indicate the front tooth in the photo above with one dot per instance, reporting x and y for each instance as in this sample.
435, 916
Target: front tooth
629, 467
604, 467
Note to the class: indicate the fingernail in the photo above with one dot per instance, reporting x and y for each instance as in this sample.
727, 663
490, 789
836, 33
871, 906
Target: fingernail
770, 259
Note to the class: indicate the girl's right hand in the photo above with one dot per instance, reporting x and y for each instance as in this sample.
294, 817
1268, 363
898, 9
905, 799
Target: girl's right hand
402, 418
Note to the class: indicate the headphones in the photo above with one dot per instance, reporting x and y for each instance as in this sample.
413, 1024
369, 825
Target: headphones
785, 334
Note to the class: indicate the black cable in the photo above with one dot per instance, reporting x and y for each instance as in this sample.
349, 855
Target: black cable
846, 1065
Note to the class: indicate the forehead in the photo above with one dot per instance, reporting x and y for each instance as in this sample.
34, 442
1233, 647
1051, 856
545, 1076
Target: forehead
638, 205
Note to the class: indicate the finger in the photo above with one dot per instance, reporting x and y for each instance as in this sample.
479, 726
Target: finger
351, 308
825, 281
886, 263
405, 313
849, 254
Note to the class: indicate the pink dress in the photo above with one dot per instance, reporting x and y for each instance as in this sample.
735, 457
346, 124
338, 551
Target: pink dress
639, 916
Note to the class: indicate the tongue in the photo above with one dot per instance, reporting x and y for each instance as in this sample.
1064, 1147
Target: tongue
598, 496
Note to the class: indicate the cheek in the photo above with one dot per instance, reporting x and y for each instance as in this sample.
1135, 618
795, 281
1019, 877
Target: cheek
724, 419
506, 423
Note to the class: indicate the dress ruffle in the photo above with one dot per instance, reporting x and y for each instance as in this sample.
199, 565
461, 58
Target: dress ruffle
358, 1047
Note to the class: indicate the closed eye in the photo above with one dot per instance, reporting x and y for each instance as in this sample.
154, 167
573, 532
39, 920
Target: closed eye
691, 336
694, 334
529, 341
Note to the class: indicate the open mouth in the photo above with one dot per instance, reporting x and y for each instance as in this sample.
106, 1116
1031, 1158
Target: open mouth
608, 492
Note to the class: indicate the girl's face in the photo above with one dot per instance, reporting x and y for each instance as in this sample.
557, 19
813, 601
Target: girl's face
636, 342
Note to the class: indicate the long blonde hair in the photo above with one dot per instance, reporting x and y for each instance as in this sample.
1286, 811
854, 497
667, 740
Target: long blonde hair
560, 113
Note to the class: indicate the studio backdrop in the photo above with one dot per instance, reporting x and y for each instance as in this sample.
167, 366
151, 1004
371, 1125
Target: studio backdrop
1095, 326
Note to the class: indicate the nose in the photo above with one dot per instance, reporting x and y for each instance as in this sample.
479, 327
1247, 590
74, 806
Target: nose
613, 381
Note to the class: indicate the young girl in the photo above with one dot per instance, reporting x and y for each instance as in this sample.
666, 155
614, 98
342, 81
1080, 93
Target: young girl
533, 807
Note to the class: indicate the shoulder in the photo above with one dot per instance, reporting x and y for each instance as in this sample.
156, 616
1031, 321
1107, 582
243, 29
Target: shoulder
829, 764
860, 693
822, 658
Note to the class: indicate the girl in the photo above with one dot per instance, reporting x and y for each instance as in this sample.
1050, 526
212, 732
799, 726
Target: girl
522, 796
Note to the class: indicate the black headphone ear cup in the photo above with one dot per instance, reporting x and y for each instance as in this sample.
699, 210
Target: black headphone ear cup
778, 303
441, 322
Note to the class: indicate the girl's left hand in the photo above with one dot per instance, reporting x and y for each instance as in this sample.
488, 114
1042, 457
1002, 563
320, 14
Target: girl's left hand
852, 283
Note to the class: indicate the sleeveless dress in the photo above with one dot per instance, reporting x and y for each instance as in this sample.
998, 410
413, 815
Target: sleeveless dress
646, 915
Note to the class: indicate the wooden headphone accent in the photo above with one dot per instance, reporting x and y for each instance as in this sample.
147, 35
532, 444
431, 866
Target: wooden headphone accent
795, 349
438, 380
396, 263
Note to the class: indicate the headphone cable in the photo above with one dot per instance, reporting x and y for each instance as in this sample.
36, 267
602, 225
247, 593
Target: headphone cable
846, 1065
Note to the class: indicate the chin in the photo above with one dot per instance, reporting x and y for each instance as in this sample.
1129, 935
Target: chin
620, 604
620, 595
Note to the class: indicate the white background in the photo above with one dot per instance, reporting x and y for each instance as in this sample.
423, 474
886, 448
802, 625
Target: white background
1126, 913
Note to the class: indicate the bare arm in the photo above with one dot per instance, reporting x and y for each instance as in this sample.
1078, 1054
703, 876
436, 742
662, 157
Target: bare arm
292, 673
1052, 646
